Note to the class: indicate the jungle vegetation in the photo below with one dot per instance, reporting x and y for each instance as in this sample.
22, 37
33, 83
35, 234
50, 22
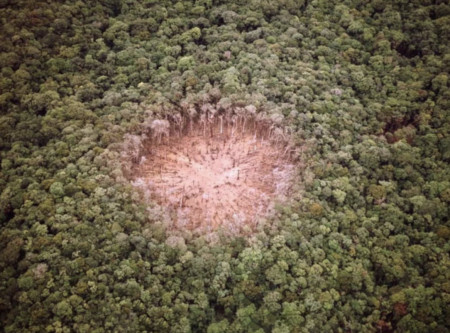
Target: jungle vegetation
364, 85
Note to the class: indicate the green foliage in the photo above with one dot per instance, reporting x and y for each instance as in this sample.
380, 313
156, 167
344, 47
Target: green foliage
363, 244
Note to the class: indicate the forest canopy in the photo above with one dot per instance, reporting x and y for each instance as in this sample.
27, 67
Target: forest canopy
362, 85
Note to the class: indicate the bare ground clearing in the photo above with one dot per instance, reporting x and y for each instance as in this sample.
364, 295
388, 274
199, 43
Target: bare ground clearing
218, 180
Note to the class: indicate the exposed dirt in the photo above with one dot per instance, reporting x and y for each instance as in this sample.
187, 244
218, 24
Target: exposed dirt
216, 181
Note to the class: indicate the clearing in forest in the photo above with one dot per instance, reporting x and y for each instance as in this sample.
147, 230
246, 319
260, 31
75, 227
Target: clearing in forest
218, 174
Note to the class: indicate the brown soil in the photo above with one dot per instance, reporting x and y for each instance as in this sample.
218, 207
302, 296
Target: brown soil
216, 181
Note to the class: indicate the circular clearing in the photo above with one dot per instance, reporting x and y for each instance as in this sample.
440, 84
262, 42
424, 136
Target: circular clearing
216, 178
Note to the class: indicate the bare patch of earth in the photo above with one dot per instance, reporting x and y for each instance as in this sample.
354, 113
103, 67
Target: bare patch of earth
216, 182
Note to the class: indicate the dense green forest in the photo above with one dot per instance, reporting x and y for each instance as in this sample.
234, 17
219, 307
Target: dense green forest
362, 85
